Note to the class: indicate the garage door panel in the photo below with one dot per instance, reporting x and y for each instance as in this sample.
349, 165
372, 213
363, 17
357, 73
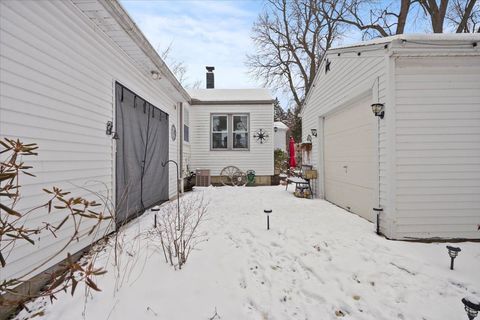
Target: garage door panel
360, 173
353, 198
348, 119
356, 142
349, 156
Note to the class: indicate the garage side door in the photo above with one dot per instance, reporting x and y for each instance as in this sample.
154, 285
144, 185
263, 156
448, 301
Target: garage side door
350, 158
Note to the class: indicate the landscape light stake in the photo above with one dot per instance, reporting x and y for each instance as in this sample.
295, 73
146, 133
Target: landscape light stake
453, 253
268, 211
155, 209
178, 195
471, 308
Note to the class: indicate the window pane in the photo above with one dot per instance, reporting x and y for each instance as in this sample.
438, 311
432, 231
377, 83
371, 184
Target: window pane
240, 123
219, 140
240, 140
219, 123
186, 133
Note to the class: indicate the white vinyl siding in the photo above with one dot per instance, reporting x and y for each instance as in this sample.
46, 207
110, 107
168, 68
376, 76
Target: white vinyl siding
57, 74
437, 147
258, 157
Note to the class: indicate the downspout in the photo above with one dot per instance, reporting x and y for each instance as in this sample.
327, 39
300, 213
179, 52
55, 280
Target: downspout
180, 157
378, 210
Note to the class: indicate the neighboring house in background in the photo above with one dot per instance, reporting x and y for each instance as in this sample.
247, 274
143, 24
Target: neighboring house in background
420, 163
226, 125
72, 69
280, 136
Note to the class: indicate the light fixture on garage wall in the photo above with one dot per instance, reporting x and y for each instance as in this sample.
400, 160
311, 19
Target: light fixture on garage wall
378, 109
155, 75
109, 130
314, 132
309, 138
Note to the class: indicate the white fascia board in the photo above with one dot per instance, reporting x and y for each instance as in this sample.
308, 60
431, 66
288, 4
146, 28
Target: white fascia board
121, 16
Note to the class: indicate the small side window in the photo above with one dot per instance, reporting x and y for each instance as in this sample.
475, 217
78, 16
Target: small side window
186, 125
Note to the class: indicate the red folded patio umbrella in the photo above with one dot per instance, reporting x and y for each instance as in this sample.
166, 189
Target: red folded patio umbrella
291, 147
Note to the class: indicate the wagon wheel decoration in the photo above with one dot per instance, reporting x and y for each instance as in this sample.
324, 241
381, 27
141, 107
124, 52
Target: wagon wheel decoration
232, 176
261, 136
239, 178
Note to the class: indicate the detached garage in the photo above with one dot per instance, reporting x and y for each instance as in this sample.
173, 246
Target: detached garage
398, 134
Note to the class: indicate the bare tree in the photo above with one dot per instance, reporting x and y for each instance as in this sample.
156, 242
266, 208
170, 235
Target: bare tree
464, 16
178, 68
436, 13
380, 19
291, 38
376, 19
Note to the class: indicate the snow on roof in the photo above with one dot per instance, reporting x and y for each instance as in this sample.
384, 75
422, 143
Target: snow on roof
461, 37
231, 95
280, 125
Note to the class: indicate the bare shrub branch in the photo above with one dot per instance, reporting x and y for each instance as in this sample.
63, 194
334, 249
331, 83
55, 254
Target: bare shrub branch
14, 228
179, 237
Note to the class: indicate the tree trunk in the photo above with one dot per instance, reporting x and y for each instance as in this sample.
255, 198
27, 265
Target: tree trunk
466, 14
402, 16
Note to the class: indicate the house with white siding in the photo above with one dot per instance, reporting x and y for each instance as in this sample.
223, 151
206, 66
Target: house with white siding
413, 168
80, 79
280, 135
233, 127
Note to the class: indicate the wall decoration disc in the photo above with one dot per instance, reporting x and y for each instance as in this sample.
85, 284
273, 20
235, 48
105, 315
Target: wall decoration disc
261, 136
173, 132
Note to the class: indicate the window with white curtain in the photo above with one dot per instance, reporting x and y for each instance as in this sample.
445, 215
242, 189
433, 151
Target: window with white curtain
230, 131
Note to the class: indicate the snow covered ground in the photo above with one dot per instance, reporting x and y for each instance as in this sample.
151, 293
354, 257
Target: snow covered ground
317, 262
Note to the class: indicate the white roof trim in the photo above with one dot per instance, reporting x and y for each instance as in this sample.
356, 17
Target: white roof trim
445, 39
414, 37
121, 16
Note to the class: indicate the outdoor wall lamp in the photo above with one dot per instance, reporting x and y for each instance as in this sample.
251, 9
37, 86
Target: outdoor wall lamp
314, 132
471, 308
109, 130
309, 138
155, 75
453, 253
378, 109
275, 129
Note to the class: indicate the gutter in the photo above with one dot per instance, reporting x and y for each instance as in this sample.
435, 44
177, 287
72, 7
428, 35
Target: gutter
128, 25
230, 102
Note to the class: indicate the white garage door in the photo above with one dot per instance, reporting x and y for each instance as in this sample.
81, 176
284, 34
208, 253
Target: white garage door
350, 158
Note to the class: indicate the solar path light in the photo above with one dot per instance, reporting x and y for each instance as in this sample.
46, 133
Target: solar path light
453, 253
471, 308
268, 212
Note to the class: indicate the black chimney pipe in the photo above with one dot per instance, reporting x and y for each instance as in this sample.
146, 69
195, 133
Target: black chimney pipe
210, 77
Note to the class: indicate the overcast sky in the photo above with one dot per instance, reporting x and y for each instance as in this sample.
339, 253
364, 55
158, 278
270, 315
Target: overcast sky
203, 33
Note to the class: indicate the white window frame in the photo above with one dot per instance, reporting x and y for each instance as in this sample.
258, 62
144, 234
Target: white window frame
186, 123
230, 132
212, 132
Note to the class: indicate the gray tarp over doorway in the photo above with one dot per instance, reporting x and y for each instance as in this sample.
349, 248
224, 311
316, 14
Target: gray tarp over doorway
142, 147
